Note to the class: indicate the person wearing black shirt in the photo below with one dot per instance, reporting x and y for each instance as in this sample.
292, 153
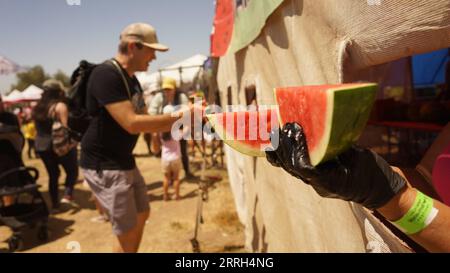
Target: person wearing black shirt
52, 106
107, 161
10, 145
7, 118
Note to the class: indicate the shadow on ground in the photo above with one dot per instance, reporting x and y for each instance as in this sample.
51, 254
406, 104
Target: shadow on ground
57, 229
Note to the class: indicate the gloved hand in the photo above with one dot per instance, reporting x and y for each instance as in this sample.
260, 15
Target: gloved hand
358, 175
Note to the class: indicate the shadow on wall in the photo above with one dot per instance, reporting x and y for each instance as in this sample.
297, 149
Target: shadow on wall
258, 241
278, 33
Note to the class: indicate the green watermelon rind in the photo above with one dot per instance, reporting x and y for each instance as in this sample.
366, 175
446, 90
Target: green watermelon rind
343, 132
235, 144
349, 131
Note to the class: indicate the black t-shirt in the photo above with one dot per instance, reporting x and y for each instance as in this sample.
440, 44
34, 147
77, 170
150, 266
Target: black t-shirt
106, 145
9, 119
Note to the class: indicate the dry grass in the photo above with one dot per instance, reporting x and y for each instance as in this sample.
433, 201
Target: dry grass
228, 220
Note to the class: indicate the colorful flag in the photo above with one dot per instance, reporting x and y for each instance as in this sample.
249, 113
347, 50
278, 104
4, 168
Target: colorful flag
223, 27
7, 66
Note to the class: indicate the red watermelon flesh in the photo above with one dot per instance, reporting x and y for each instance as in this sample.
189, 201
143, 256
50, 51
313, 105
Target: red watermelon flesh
333, 116
246, 131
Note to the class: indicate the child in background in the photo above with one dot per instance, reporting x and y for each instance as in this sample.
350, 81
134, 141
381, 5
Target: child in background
170, 158
29, 131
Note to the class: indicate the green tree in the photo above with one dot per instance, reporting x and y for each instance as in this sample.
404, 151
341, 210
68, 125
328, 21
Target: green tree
35, 75
61, 76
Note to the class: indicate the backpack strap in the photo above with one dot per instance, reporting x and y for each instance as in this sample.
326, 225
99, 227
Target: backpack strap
116, 64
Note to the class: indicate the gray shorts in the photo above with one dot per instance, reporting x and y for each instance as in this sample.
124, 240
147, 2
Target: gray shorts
122, 194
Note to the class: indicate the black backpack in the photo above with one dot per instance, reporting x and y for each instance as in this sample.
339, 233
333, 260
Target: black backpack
79, 118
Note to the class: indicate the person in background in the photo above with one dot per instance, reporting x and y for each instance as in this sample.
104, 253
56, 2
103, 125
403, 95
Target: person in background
171, 95
52, 105
148, 136
148, 140
170, 158
107, 160
10, 156
29, 131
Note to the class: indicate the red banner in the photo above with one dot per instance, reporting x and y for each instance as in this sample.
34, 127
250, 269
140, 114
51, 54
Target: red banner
223, 27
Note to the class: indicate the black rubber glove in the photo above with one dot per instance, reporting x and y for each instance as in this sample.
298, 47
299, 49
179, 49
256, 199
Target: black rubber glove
358, 175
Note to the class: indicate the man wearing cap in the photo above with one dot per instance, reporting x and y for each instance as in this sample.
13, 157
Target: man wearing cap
170, 95
106, 150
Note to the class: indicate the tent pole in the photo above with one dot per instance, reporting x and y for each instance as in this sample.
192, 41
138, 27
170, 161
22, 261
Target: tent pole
180, 70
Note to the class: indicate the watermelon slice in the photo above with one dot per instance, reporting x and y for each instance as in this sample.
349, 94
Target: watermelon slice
333, 116
247, 132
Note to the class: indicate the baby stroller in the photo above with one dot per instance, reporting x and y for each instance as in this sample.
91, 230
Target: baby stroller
26, 209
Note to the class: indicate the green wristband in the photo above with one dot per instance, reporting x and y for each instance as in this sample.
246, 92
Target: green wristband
419, 215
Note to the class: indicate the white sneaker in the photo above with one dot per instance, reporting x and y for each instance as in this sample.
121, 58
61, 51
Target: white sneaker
66, 200
100, 219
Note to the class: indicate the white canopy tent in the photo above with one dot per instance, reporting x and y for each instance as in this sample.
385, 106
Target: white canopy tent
14, 96
184, 72
32, 93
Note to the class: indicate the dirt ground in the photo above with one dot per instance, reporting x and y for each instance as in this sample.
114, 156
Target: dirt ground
169, 229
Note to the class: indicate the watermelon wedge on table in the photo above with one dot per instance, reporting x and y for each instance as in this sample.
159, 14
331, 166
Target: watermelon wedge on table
333, 116
246, 131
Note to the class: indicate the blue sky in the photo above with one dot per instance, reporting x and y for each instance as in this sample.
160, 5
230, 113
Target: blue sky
57, 35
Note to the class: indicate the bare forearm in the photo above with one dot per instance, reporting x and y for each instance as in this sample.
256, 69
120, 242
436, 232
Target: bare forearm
436, 236
152, 124
123, 113
156, 144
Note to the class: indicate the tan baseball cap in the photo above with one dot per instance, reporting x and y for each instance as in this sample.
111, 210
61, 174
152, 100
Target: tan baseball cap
143, 33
